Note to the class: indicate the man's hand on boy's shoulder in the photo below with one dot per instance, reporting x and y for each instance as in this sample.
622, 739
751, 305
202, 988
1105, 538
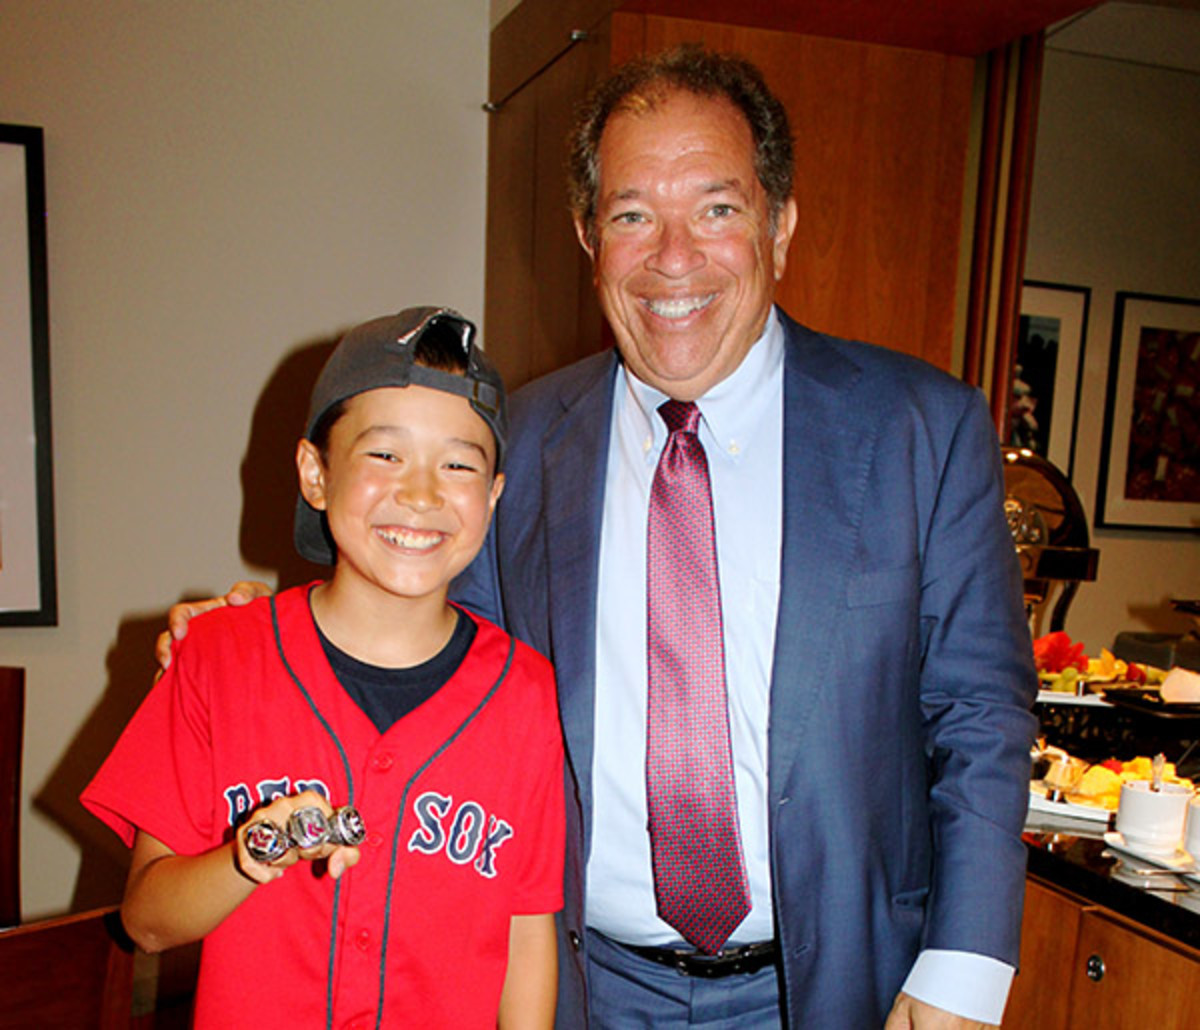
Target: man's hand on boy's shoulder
242, 592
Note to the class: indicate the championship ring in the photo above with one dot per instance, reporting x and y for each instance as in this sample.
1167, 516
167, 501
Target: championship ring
347, 826
266, 842
308, 827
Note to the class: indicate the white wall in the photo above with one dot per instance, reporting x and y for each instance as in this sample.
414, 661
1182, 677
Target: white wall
229, 183
1116, 206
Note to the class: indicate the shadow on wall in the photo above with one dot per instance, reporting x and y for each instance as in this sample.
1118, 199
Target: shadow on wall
131, 668
163, 981
269, 467
268, 476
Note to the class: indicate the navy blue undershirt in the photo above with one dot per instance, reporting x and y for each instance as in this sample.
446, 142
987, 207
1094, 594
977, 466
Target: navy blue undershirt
387, 695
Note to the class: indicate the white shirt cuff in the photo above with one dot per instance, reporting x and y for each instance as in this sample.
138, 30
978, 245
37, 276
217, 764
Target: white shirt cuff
969, 985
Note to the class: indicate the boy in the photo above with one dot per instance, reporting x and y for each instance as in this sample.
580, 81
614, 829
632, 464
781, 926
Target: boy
369, 690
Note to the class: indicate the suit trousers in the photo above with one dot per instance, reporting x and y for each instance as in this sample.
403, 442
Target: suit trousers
628, 992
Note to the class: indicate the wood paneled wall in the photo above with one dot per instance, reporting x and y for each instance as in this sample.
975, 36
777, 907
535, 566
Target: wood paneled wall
883, 138
881, 151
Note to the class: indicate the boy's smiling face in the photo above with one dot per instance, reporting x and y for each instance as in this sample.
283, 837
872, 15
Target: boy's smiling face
407, 489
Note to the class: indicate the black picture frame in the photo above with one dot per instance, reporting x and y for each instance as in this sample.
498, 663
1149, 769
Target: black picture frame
28, 582
1048, 371
1150, 458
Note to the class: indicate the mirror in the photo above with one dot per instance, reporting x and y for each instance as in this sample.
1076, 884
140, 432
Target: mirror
1115, 207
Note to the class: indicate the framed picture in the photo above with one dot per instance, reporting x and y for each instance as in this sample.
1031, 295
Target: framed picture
1044, 404
28, 595
1150, 463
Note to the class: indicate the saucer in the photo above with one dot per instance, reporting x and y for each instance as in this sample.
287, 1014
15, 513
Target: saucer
1177, 859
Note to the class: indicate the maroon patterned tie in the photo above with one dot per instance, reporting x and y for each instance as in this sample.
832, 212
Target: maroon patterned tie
699, 873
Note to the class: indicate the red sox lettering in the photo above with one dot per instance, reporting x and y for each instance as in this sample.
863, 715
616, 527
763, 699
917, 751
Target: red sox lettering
241, 801
463, 837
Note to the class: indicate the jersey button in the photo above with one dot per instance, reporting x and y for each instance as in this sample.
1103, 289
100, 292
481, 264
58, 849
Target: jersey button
374, 840
363, 940
383, 762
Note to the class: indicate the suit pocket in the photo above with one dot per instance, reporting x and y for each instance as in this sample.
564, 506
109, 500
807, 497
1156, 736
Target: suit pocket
883, 586
909, 906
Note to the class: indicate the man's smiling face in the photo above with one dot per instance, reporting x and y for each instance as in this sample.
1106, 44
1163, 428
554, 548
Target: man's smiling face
684, 254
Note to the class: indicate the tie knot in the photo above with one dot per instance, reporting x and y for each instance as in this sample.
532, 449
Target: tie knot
680, 415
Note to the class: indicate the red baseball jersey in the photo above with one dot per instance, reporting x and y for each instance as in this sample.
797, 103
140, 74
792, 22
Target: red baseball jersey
462, 801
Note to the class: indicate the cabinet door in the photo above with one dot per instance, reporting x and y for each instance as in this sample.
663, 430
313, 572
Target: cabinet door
881, 154
1039, 995
1136, 980
540, 312
881, 137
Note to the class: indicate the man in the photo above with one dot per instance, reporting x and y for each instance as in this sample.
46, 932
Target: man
873, 661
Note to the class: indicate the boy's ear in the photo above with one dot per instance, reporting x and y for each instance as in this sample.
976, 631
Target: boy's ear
497, 490
311, 470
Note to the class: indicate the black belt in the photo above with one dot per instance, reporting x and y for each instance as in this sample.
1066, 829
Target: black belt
749, 958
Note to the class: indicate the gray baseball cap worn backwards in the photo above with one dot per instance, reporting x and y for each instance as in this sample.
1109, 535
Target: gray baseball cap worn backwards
379, 354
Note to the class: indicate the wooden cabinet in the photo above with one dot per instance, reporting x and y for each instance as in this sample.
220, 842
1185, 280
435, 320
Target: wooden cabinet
1127, 977
1083, 966
881, 158
540, 310
1049, 933
883, 103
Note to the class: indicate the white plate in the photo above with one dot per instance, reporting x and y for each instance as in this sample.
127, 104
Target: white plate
1057, 697
1038, 802
1179, 860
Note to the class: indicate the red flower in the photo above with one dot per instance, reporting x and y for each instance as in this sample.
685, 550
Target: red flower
1055, 651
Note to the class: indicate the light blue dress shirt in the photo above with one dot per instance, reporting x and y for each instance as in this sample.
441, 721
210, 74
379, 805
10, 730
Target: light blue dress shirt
742, 433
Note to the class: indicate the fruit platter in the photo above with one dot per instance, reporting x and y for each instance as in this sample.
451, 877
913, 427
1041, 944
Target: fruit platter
1063, 668
1066, 674
1061, 783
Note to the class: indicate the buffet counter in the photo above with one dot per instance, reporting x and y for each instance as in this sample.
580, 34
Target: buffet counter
1105, 941
1072, 855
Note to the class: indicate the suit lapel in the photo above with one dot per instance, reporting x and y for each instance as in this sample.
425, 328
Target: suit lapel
824, 444
824, 448
575, 458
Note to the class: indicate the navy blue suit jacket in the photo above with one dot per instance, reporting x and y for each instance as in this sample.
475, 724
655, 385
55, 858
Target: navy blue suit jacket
902, 677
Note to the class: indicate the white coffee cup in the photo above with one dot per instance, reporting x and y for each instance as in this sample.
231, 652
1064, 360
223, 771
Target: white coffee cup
1191, 837
1152, 819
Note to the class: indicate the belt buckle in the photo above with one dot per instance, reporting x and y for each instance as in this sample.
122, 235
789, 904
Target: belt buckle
746, 958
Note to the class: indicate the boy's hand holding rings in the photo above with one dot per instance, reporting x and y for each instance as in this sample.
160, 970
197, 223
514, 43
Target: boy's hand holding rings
310, 827
309, 830
266, 842
347, 826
